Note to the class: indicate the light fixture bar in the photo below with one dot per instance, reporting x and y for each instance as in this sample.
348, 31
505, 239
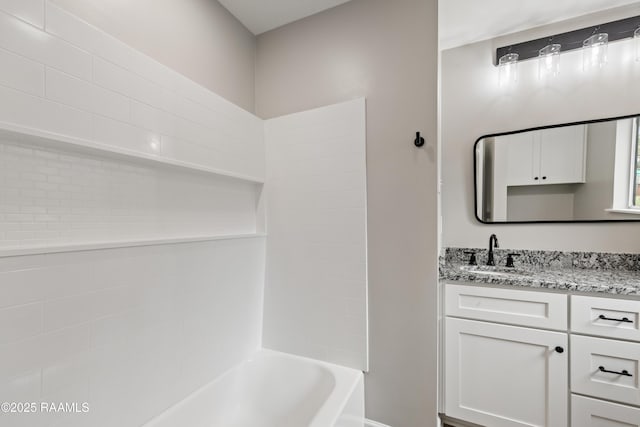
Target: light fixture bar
617, 30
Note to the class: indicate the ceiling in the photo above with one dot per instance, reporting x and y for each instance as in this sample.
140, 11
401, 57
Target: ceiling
262, 15
460, 21
466, 21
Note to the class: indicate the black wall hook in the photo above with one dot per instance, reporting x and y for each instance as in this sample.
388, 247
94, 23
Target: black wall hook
419, 141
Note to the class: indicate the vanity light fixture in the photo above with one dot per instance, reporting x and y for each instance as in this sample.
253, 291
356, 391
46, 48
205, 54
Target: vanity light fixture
508, 69
593, 41
594, 53
549, 60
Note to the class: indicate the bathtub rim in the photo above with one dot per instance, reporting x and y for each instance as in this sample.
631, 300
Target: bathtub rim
329, 412
346, 381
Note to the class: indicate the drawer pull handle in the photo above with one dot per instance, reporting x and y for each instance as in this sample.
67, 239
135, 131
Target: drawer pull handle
624, 319
624, 372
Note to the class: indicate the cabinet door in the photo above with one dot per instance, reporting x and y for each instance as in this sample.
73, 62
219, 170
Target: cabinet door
562, 155
523, 154
505, 376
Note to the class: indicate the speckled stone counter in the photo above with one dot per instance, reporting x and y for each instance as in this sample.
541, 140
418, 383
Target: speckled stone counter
602, 273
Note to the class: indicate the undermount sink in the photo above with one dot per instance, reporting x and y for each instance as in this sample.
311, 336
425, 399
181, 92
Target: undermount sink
495, 270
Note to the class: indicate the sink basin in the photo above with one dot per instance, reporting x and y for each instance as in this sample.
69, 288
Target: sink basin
495, 270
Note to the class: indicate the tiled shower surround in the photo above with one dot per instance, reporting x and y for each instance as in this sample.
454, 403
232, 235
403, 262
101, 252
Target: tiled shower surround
120, 150
131, 268
130, 331
53, 197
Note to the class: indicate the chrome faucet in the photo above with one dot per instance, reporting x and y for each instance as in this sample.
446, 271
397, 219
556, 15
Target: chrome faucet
493, 243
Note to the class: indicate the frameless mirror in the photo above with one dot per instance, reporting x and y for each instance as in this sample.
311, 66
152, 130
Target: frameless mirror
577, 172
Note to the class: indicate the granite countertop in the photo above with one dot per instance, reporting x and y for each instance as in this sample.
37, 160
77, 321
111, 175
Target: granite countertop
616, 275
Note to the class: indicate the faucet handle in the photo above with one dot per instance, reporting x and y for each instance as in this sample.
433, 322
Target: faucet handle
510, 259
472, 257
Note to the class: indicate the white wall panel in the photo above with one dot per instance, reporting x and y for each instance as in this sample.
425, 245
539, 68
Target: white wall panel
31, 11
34, 112
21, 73
167, 320
20, 322
123, 135
120, 80
148, 117
316, 292
83, 95
24, 39
100, 77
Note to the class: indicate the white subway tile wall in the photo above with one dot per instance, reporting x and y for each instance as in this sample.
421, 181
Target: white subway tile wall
31, 11
316, 289
56, 197
130, 331
63, 76
21, 73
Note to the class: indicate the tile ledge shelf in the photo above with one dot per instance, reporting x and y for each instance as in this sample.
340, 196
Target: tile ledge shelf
22, 133
116, 244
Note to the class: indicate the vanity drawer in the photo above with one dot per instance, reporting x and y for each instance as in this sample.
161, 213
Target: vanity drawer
586, 412
611, 318
515, 307
590, 356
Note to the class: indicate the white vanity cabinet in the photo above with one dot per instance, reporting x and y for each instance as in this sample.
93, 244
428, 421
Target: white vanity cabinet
547, 156
505, 375
512, 359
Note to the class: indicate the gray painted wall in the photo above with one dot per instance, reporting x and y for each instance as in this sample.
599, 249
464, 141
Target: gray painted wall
198, 38
544, 202
386, 51
473, 104
596, 194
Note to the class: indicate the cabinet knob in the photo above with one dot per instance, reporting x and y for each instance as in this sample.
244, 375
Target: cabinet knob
536, 178
559, 349
544, 177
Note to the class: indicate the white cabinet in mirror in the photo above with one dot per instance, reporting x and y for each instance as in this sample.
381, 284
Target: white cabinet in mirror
584, 171
548, 156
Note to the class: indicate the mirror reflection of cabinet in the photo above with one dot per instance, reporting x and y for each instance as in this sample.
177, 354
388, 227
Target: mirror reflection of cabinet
549, 156
587, 171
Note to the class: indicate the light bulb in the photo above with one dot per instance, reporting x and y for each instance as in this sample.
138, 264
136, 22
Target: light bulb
508, 69
594, 53
549, 61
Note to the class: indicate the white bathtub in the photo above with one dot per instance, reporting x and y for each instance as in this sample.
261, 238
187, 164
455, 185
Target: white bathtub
274, 390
